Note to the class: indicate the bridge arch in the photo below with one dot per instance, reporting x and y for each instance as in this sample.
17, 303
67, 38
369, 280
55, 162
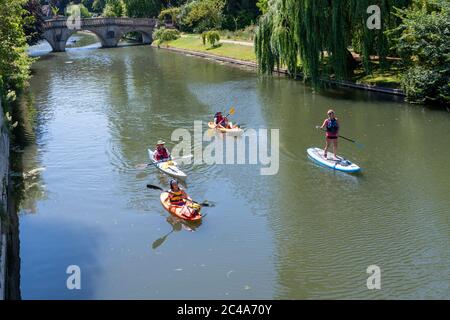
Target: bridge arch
147, 37
108, 30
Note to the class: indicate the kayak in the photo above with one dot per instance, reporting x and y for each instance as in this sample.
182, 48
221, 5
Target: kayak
182, 212
235, 131
168, 167
338, 163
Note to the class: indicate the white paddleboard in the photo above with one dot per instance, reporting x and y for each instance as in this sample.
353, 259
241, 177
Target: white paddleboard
338, 163
168, 167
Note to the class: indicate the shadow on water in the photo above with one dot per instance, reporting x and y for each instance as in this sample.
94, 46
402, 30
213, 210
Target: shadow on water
65, 243
177, 226
26, 190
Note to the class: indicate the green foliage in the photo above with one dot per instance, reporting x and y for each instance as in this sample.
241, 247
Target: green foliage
142, 8
114, 8
33, 21
238, 14
246, 34
201, 15
55, 10
318, 33
171, 13
423, 42
98, 5
14, 61
164, 35
212, 37
263, 6
88, 4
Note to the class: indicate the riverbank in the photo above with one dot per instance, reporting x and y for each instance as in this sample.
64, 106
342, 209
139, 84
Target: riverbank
4, 177
9, 221
225, 48
236, 53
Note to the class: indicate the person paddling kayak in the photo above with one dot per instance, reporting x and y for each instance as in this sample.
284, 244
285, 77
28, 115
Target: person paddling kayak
161, 153
177, 196
221, 121
331, 125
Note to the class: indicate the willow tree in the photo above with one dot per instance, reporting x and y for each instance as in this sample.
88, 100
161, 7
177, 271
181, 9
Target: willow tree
317, 35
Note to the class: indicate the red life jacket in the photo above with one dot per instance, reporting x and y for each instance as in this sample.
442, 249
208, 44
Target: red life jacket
161, 154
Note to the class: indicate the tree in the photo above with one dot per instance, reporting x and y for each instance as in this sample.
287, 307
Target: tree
98, 6
142, 8
88, 4
423, 41
201, 15
263, 6
14, 61
239, 13
318, 33
33, 21
114, 8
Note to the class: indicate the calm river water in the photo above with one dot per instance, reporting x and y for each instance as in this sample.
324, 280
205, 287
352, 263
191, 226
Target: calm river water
304, 233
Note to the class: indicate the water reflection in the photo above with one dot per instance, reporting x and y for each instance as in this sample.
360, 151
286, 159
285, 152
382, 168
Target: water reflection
306, 232
177, 226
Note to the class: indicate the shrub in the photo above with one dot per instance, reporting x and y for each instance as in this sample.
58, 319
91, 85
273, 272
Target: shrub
211, 37
163, 35
423, 42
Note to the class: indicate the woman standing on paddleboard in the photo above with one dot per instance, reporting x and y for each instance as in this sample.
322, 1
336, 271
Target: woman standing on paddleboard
331, 125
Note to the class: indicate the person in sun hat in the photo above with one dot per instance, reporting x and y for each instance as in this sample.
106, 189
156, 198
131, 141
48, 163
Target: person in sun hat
161, 153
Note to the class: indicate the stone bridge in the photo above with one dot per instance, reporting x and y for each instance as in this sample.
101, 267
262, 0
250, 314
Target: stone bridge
108, 30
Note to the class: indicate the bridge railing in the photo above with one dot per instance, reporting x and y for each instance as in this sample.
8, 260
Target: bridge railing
97, 22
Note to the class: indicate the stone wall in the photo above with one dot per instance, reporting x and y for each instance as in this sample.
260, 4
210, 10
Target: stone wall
4, 176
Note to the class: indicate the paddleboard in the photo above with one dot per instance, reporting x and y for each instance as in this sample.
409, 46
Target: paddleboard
336, 163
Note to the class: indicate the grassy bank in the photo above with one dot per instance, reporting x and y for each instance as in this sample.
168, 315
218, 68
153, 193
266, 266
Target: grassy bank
229, 50
389, 78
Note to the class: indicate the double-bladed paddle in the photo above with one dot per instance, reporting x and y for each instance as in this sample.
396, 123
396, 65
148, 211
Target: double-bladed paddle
203, 204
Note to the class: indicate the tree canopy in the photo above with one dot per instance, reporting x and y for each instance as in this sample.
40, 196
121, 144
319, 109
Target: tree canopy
314, 36
14, 61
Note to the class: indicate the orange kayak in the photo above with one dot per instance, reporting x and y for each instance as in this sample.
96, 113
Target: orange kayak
182, 212
235, 130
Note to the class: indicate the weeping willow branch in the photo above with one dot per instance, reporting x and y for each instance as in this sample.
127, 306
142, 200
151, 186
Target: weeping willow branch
315, 36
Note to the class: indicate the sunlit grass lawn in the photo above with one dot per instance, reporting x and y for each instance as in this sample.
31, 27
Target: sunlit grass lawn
389, 78
230, 50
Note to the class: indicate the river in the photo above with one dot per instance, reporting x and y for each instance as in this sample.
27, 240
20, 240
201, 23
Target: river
306, 232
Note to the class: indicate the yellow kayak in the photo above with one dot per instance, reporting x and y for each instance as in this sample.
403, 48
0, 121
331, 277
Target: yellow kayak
234, 131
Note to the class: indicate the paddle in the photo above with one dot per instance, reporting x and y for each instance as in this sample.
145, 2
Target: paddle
231, 112
203, 204
161, 240
348, 139
145, 165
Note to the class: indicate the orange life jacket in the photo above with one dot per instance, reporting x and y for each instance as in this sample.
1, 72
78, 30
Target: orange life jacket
176, 196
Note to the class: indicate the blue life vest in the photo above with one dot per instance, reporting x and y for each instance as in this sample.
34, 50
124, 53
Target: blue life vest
332, 126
